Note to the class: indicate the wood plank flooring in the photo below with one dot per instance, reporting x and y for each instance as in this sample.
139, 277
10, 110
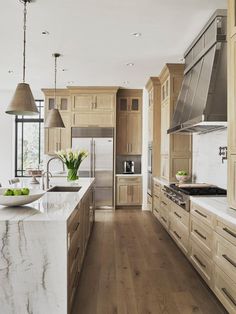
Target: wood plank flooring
133, 267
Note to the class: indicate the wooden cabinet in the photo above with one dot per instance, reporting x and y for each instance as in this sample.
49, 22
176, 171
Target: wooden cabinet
93, 109
57, 139
129, 190
231, 17
176, 149
231, 63
129, 123
153, 87
79, 228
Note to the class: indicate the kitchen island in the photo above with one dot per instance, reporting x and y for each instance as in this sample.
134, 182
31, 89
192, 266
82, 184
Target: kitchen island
42, 250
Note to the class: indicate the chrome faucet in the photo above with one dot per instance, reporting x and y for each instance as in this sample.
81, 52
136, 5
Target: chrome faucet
48, 173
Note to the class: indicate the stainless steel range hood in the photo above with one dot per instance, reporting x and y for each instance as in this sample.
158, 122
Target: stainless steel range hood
202, 103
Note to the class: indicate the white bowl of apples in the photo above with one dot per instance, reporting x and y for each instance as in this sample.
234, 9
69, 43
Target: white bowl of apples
19, 197
182, 176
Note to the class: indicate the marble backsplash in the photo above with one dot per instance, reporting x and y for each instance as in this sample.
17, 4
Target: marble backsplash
207, 164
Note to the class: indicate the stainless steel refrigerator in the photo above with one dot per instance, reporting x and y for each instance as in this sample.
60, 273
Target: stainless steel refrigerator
99, 164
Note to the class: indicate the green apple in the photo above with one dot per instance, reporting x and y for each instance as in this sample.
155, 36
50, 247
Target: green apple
17, 192
182, 173
25, 191
8, 192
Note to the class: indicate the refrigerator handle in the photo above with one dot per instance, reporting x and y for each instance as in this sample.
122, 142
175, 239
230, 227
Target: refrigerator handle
91, 159
94, 158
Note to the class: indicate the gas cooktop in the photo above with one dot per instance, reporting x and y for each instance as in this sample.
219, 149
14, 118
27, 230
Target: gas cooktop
198, 189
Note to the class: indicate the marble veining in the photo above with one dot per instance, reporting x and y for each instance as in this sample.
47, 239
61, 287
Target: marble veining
33, 253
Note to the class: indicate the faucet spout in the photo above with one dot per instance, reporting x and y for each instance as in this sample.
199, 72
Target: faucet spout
48, 173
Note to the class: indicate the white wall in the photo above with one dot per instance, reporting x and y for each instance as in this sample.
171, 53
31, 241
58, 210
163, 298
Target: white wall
207, 164
6, 139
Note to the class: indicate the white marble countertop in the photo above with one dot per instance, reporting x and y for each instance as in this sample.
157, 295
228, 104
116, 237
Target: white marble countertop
217, 205
128, 175
161, 181
53, 206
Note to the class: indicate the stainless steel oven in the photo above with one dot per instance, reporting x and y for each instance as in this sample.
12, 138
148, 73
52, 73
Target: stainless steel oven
150, 157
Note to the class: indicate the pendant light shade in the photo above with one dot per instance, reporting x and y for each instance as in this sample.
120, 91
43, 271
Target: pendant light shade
23, 101
54, 119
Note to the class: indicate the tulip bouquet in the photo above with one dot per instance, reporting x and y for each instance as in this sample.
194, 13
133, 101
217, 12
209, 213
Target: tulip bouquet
72, 159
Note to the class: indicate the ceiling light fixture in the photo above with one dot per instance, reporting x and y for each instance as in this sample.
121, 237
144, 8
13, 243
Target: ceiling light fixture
54, 119
136, 34
130, 64
23, 101
45, 33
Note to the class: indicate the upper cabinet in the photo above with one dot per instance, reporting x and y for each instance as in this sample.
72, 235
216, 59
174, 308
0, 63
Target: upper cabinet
93, 107
153, 87
176, 149
231, 17
231, 63
129, 122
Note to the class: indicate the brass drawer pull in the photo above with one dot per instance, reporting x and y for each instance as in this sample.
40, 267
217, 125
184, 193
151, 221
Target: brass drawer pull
176, 214
163, 203
156, 210
201, 214
229, 260
178, 236
156, 196
229, 296
229, 232
164, 219
197, 232
199, 261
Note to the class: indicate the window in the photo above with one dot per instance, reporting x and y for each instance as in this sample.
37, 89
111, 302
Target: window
29, 141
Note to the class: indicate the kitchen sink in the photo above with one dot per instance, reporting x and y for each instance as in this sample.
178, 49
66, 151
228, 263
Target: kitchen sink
65, 189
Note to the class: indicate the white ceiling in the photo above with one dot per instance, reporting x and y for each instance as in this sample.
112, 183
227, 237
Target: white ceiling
94, 38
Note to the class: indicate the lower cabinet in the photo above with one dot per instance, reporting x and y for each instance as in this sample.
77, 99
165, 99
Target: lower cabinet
79, 228
128, 191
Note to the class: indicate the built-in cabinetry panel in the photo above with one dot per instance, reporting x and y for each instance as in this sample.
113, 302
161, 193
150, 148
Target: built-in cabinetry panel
231, 61
175, 148
129, 122
128, 190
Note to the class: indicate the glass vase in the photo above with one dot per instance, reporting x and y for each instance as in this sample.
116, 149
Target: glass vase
72, 174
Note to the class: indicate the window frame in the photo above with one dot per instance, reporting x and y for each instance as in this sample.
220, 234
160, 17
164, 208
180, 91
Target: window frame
20, 119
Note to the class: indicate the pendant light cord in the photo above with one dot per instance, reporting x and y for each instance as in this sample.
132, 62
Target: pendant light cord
24, 49
55, 82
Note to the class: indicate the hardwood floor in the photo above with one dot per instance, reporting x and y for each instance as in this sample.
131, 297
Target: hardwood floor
133, 267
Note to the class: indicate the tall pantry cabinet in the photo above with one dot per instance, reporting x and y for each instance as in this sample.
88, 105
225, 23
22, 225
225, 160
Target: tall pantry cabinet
176, 149
232, 103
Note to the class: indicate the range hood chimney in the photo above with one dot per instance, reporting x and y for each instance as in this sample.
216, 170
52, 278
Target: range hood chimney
202, 103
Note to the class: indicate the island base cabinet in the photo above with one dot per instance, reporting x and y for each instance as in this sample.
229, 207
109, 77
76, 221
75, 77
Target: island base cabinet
225, 289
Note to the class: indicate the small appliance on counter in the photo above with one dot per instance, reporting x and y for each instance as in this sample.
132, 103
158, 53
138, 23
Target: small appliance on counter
128, 167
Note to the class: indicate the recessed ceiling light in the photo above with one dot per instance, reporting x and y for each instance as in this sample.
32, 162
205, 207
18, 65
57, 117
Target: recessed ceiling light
136, 34
181, 59
70, 82
10, 71
64, 70
126, 82
45, 33
130, 64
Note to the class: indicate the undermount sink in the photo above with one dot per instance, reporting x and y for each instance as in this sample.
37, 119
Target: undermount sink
65, 189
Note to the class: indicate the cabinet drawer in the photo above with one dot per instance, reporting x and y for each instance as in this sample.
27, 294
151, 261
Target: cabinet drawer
156, 188
225, 256
202, 235
74, 221
129, 179
164, 217
201, 262
227, 230
180, 234
202, 214
225, 289
180, 214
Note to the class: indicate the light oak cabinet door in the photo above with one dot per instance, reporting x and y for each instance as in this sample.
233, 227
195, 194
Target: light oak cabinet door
165, 118
123, 194
83, 102
63, 103
232, 180
232, 17
129, 191
93, 119
129, 134
129, 104
136, 194
104, 102
57, 139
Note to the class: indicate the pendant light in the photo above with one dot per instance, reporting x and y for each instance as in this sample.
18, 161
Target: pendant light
23, 101
54, 119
